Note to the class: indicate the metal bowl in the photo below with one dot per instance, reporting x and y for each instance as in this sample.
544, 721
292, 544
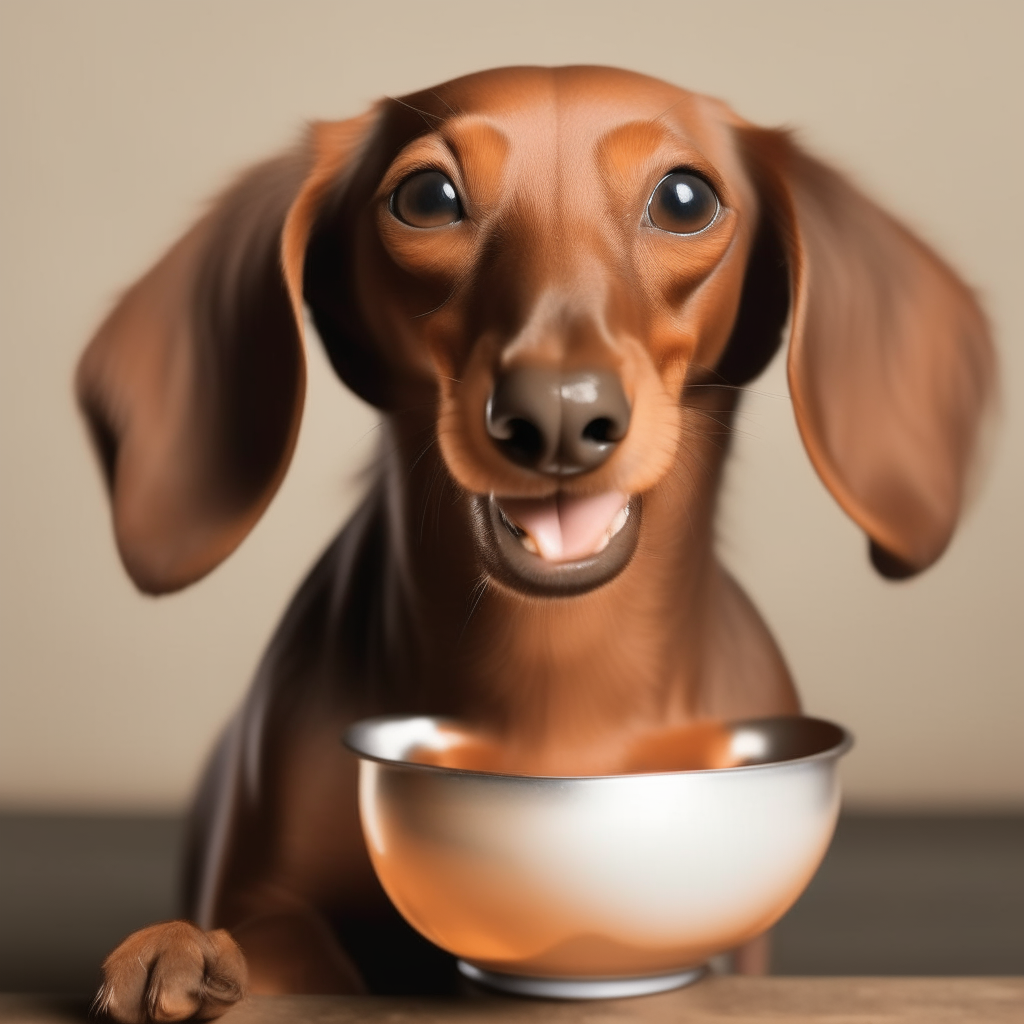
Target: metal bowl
582, 887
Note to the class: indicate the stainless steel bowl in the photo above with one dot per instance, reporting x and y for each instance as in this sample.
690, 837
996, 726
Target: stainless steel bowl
595, 886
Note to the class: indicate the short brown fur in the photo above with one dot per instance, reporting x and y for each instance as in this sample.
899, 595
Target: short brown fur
193, 390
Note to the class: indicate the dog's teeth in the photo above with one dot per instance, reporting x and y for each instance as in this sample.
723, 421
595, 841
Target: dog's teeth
618, 522
527, 541
613, 528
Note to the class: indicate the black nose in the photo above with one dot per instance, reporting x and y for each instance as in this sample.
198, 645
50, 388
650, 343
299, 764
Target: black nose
558, 423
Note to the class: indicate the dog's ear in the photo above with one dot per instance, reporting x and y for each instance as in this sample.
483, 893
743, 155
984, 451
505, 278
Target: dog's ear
891, 367
193, 386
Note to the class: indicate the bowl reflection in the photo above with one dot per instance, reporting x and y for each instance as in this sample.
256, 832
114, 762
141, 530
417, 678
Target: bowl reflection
596, 885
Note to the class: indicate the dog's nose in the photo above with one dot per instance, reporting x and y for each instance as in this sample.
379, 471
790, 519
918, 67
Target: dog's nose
558, 423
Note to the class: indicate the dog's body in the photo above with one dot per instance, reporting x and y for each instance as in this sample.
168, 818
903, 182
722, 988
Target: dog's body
463, 252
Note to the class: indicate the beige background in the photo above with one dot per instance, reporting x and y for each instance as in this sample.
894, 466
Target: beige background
118, 119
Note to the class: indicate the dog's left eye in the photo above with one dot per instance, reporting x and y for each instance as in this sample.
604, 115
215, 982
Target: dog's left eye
426, 200
682, 203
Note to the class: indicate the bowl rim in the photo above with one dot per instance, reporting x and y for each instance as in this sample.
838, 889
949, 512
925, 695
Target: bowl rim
834, 752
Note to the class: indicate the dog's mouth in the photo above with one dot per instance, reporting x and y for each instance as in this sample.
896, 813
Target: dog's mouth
557, 546
563, 528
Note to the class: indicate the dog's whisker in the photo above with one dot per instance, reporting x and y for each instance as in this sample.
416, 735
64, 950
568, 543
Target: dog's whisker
370, 430
667, 110
743, 389
438, 119
426, 498
476, 596
423, 451
441, 305
390, 446
446, 482
441, 99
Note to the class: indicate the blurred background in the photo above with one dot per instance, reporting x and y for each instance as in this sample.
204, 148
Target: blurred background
118, 120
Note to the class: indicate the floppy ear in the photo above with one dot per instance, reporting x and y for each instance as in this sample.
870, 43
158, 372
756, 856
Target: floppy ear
193, 386
890, 362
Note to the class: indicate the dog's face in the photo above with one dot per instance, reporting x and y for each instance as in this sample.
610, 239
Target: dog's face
551, 261
548, 254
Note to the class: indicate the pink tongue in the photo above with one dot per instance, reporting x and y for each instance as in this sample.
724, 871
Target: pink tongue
565, 529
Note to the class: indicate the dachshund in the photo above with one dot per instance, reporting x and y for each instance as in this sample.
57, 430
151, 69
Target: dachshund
554, 285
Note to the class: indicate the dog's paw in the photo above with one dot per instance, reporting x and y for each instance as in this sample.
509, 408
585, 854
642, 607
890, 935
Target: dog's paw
172, 971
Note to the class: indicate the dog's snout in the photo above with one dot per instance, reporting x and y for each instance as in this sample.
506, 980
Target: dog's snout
555, 422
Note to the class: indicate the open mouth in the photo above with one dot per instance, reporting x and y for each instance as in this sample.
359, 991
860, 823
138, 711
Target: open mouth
562, 528
557, 546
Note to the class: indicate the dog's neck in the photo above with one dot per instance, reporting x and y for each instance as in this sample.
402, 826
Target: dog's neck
668, 640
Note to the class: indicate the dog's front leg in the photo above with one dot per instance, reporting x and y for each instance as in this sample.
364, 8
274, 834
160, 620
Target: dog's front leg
177, 971
172, 971
295, 951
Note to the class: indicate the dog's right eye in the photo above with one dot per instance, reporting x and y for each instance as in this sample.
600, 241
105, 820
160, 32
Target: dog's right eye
682, 204
426, 200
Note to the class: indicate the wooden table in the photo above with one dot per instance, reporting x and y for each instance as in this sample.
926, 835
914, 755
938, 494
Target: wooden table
715, 1000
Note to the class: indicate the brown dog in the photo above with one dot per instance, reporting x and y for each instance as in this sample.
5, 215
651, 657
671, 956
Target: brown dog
553, 284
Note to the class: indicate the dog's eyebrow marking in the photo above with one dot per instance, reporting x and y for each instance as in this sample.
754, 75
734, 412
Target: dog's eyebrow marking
468, 135
626, 154
646, 138
642, 137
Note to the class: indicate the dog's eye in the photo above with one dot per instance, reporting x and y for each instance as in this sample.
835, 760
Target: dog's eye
426, 200
683, 204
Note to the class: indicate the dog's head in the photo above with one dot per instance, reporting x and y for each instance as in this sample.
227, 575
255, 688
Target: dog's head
550, 260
